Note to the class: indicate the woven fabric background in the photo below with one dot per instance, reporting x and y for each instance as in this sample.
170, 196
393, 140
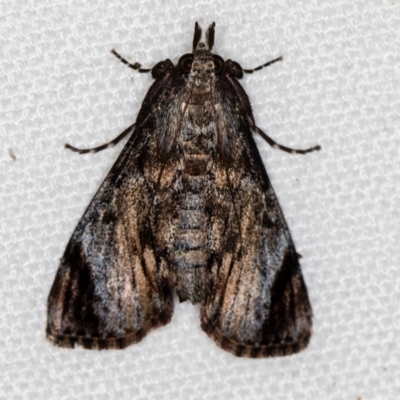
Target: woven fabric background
338, 86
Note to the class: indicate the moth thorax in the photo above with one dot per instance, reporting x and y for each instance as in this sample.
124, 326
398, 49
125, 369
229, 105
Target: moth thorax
202, 68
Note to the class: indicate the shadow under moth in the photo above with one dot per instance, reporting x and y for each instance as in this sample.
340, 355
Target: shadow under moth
186, 208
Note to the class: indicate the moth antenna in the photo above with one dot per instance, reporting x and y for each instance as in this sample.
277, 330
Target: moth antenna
250, 71
276, 145
210, 35
135, 66
197, 36
113, 142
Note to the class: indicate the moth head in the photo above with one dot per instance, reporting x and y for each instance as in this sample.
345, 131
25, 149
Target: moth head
202, 61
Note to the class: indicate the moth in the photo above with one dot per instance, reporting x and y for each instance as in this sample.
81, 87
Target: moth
188, 209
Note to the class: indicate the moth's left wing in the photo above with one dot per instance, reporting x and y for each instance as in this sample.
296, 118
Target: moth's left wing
112, 285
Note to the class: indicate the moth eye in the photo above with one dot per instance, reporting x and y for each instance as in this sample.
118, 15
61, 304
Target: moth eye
185, 63
219, 64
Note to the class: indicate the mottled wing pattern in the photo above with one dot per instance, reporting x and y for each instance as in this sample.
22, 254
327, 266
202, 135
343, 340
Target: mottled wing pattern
113, 284
256, 301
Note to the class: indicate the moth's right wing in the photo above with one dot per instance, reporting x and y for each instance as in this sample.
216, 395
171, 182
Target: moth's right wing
256, 302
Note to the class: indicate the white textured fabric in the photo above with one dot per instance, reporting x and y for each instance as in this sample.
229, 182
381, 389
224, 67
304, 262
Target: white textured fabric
338, 86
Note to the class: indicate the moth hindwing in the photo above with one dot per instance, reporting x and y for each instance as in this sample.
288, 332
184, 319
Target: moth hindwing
187, 207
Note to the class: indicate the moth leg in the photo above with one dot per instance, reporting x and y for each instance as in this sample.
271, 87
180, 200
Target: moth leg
135, 66
250, 71
272, 143
103, 146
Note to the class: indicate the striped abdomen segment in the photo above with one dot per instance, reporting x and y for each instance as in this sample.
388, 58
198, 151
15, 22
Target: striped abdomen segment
191, 234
